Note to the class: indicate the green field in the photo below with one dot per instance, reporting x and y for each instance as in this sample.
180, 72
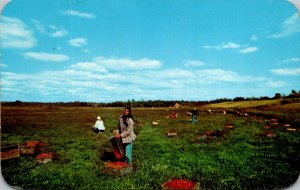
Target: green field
242, 159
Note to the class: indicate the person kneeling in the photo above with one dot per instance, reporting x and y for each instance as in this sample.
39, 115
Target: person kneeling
99, 125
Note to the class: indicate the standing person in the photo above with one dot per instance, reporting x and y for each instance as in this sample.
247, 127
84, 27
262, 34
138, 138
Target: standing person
195, 113
99, 125
126, 124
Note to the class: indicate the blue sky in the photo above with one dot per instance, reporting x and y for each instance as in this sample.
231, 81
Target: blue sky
111, 50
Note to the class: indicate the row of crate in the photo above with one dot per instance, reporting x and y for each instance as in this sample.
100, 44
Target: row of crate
27, 148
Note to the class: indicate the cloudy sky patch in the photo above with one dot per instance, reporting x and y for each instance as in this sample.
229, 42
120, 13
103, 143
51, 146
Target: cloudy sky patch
41, 56
288, 27
15, 34
148, 51
79, 14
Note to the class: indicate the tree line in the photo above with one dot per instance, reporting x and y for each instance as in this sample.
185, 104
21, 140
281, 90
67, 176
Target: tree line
153, 103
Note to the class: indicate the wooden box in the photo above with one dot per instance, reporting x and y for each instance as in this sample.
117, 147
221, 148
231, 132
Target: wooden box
172, 134
269, 134
31, 147
173, 184
228, 126
9, 152
118, 168
290, 129
44, 158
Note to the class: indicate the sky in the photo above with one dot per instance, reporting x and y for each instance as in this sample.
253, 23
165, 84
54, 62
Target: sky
119, 50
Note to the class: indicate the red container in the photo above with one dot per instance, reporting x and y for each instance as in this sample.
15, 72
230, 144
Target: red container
44, 158
117, 168
268, 134
31, 147
173, 184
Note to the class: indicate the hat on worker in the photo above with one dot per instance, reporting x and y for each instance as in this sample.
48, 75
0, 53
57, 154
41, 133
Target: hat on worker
99, 118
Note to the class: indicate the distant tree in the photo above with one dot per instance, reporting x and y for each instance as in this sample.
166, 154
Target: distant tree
264, 98
277, 96
17, 103
294, 94
254, 98
238, 99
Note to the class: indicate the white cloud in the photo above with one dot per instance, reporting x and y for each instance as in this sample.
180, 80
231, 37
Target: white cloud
39, 26
293, 59
219, 75
287, 71
111, 79
288, 27
127, 63
248, 50
78, 42
64, 85
171, 74
59, 33
231, 45
2, 65
15, 34
228, 45
89, 66
253, 38
79, 14
82, 83
45, 56
194, 63
50, 30
276, 84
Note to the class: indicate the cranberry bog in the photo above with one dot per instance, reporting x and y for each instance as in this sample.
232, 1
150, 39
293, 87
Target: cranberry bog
256, 152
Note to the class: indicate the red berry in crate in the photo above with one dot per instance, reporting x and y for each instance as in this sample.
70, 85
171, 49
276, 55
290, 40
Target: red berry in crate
180, 184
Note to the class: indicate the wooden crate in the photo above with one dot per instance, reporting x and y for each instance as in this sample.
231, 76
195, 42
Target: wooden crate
44, 158
31, 147
269, 134
172, 134
181, 184
290, 129
228, 126
117, 168
9, 152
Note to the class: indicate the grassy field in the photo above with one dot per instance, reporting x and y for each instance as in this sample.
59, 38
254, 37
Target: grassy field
244, 104
275, 104
243, 158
